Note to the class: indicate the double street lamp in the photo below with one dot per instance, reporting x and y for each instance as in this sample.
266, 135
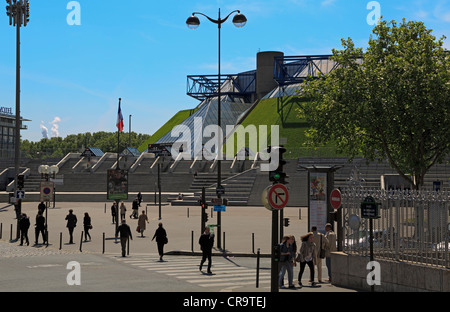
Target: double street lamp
239, 20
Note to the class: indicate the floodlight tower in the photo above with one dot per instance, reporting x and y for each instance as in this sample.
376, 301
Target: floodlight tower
18, 12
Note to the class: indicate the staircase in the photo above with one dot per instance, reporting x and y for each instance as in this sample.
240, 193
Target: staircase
237, 188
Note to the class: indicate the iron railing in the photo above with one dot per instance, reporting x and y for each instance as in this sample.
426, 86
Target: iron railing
412, 226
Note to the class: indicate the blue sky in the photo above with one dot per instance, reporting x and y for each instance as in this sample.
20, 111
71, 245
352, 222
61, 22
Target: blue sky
142, 51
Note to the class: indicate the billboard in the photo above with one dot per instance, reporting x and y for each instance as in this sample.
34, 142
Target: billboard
117, 184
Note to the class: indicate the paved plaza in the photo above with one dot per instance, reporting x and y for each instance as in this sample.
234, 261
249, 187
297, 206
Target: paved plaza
246, 229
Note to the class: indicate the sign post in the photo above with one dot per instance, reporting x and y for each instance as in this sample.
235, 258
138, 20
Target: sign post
369, 210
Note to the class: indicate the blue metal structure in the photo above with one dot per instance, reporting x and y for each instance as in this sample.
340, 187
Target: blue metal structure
296, 69
241, 85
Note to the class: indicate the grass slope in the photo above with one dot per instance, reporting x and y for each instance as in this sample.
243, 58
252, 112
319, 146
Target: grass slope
174, 121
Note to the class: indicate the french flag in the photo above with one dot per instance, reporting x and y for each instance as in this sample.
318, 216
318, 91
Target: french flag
119, 122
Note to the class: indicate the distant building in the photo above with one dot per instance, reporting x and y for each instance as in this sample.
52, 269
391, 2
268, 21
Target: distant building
7, 132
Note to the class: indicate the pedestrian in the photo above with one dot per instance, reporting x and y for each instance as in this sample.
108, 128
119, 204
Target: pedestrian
139, 196
330, 247
114, 212
287, 258
135, 208
141, 222
125, 234
40, 228
206, 242
161, 240
320, 241
87, 226
123, 210
307, 256
71, 224
41, 207
24, 225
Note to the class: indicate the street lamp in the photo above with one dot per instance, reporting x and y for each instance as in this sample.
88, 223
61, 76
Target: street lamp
239, 20
18, 12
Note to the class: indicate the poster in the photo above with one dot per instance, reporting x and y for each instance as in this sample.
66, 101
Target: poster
318, 200
117, 184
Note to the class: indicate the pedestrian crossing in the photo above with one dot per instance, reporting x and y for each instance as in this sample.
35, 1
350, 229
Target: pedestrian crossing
224, 273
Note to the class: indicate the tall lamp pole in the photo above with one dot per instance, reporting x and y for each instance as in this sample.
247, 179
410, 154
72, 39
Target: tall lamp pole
239, 20
18, 12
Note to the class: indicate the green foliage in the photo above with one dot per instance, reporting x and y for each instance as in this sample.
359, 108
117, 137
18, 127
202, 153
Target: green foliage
391, 103
58, 147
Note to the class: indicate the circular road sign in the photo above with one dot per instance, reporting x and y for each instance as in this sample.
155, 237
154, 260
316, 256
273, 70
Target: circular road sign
335, 198
278, 196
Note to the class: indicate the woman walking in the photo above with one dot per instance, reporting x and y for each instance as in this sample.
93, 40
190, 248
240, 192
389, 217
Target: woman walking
87, 226
161, 240
141, 222
123, 210
286, 261
307, 256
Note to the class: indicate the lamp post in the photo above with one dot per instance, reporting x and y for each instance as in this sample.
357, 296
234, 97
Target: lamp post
239, 20
18, 12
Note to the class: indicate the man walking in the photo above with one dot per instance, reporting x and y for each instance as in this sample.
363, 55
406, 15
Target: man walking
331, 247
125, 233
71, 224
206, 242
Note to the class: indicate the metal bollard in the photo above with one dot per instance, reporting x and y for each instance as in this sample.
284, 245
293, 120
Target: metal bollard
81, 241
103, 242
60, 240
257, 268
253, 243
192, 241
10, 233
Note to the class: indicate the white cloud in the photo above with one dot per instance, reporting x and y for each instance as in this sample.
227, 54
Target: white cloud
44, 130
55, 126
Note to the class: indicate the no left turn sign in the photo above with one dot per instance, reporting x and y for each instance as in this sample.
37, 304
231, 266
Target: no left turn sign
278, 196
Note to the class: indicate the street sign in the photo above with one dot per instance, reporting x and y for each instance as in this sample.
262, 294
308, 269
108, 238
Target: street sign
220, 190
335, 199
217, 201
264, 198
46, 191
219, 208
278, 196
20, 194
369, 208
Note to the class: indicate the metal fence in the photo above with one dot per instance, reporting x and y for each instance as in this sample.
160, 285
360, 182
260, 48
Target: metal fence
412, 225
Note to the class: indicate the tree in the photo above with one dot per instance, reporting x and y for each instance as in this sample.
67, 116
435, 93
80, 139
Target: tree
390, 102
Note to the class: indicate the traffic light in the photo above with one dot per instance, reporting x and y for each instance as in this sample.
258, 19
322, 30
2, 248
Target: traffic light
276, 252
20, 181
286, 222
278, 175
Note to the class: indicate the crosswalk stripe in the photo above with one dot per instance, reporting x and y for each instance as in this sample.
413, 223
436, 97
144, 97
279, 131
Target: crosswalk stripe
187, 269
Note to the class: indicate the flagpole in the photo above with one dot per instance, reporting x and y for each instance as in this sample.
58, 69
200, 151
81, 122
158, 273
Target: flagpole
118, 142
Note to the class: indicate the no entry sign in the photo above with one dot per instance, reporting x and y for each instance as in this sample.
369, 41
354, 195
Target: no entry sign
278, 196
335, 199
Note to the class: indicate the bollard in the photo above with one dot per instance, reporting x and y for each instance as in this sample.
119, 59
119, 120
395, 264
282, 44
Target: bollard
105, 207
60, 240
257, 268
128, 246
10, 233
81, 241
299, 213
192, 241
188, 212
253, 243
224, 241
1, 230
46, 237
103, 242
